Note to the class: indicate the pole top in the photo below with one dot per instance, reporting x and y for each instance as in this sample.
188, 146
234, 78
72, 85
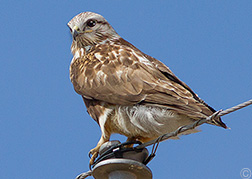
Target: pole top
120, 162
121, 169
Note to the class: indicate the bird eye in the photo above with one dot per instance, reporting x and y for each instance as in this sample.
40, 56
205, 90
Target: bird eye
91, 23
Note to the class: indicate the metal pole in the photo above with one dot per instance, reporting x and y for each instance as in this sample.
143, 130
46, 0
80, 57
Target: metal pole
121, 169
130, 166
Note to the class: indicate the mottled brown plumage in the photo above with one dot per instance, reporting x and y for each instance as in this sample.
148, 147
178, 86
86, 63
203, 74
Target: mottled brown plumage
126, 91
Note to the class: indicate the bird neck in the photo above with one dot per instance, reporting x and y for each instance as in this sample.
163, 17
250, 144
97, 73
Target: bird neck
79, 48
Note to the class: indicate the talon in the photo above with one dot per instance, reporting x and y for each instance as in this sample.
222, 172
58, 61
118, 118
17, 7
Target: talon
89, 154
95, 151
94, 156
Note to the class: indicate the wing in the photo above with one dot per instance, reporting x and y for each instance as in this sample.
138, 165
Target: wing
121, 74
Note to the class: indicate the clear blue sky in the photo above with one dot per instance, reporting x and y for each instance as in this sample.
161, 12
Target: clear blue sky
45, 131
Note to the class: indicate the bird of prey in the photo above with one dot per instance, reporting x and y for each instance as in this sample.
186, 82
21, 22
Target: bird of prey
125, 90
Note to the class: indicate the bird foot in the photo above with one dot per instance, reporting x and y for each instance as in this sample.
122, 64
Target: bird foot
93, 154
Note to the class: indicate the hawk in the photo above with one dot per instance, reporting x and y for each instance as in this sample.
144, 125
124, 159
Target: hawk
125, 90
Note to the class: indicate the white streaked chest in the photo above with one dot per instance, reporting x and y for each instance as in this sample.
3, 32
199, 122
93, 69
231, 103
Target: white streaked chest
145, 121
78, 53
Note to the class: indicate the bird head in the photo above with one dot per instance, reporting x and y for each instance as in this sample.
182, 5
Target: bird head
89, 29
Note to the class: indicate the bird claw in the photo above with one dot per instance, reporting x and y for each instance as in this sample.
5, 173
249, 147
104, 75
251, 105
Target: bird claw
92, 159
94, 154
90, 154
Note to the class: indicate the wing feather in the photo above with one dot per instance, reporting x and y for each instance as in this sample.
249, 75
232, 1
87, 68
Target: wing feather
123, 75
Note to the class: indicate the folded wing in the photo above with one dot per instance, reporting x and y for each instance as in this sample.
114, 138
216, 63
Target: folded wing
123, 75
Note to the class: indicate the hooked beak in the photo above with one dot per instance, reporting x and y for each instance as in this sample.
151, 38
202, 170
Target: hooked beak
74, 31
75, 34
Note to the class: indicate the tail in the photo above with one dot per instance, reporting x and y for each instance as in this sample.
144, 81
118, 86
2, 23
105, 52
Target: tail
218, 122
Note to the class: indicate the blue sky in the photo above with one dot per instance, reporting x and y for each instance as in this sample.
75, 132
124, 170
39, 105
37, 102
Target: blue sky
45, 131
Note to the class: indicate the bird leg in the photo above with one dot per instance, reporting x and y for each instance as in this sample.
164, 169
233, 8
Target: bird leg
141, 139
129, 139
95, 151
